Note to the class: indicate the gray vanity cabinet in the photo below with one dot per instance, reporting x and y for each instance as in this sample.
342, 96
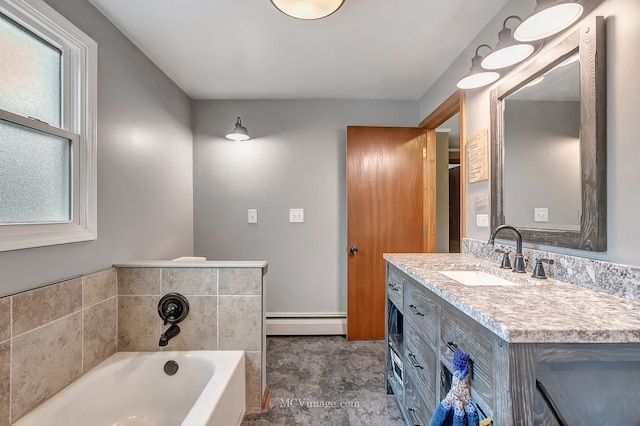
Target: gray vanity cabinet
433, 330
511, 383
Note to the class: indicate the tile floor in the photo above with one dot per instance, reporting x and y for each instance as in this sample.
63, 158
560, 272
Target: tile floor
326, 380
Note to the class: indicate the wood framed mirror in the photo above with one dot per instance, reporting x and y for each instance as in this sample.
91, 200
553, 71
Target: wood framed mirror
548, 150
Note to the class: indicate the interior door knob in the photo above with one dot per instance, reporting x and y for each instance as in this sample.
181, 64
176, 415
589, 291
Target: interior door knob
353, 249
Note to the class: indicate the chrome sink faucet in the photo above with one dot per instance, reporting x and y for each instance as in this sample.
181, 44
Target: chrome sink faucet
518, 262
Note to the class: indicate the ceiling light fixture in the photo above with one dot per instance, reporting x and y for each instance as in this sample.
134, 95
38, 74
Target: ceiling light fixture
477, 76
239, 133
307, 9
548, 18
508, 51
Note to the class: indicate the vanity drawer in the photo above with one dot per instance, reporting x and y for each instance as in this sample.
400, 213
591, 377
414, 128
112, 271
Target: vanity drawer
420, 365
394, 286
421, 311
417, 411
472, 339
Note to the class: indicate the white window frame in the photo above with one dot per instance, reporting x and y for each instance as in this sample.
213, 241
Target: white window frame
79, 116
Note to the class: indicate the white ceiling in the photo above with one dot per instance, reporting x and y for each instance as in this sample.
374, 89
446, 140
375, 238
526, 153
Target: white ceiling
247, 49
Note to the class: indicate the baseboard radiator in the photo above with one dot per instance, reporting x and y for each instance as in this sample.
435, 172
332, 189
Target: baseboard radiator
306, 323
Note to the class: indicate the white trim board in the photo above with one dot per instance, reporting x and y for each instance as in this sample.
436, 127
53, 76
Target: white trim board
306, 323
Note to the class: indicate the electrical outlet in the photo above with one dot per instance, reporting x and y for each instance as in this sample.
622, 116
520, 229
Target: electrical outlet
541, 214
252, 216
296, 215
482, 220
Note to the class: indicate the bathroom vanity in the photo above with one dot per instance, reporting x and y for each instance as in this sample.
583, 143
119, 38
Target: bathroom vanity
543, 352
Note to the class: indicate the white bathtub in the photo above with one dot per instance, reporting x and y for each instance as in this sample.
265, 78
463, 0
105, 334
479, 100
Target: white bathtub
131, 388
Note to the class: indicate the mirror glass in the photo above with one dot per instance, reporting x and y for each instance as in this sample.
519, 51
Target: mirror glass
548, 144
542, 150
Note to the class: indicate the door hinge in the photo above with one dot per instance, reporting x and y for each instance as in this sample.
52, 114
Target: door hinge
424, 152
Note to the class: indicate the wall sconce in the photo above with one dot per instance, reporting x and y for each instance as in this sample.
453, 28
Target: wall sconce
239, 133
307, 9
508, 51
548, 18
477, 76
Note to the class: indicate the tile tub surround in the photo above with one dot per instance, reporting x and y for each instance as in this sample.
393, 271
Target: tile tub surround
612, 278
226, 311
52, 335
536, 311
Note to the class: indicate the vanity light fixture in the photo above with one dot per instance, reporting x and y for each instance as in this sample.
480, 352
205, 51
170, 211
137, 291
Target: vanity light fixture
307, 9
548, 18
477, 76
508, 51
239, 133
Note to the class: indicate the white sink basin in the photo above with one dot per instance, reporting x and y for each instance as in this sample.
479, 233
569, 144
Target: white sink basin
476, 278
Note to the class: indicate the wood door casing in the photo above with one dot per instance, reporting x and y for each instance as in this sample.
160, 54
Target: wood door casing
385, 213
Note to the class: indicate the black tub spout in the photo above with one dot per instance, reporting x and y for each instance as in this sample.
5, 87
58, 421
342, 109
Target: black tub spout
171, 332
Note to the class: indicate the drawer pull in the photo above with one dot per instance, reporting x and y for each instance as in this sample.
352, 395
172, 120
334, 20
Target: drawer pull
452, 346
414, 361
412, 414
415, 310
394, 287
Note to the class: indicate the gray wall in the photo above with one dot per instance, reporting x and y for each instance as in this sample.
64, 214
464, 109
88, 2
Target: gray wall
442, 192
295, 159
542, 163
623, 173
145, 208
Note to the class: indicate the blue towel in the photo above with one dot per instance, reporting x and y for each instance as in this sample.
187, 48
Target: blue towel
457, 409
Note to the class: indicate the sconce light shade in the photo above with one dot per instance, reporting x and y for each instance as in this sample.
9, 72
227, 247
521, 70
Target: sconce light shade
477, 76
307, 9
548, 18
508, 51
239, 133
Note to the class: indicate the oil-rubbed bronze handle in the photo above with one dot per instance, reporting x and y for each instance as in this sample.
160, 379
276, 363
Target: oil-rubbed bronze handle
394, 287
415, 310
452, 346
412, 415
414, 361
353, 250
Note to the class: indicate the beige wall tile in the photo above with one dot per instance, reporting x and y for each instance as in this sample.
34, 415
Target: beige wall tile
139, 325
139, 281
199, 330
253, 379
5, 381
99, 332
190, 281
237, 281
44, 361
240, 323
5, 319
98, 287
41, 306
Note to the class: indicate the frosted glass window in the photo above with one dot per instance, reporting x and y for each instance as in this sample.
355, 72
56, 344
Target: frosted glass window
35, 176
30, 74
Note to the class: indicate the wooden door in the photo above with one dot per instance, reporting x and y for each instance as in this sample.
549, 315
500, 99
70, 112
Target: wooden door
388, 186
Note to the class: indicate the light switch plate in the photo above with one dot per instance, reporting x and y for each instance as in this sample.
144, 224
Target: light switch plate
541, 214
296, 215
252, 216
482, 220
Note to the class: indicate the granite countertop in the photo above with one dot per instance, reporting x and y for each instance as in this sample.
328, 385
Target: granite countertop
536, 311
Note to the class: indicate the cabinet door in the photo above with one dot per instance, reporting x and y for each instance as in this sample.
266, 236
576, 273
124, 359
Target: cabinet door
421, 311
420, 363
458, 331
394, 287
417, 411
